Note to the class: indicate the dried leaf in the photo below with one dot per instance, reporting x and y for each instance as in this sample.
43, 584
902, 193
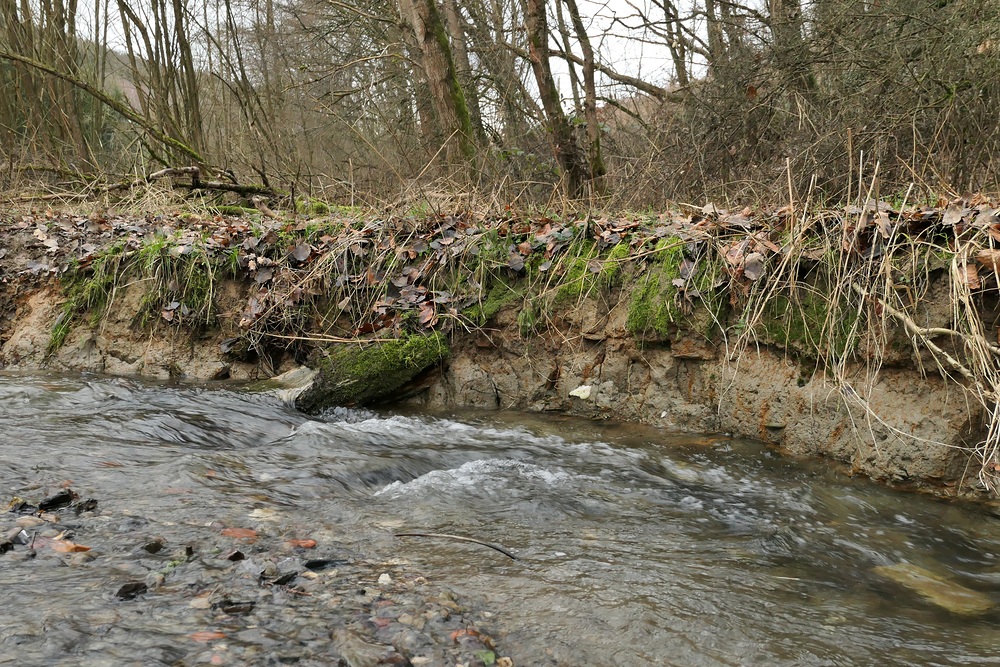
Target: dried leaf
735, 252
427, 314
240, 533
515, 261
67, 547
989, 258
753, 265
952, 215
971, 277
302, 252
302, 544
264, 275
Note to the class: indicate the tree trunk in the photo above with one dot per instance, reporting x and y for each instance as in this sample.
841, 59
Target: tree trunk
564, 146
446, 90
787, 45
594, 157
463, 66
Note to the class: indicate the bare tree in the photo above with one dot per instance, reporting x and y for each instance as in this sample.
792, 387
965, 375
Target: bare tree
564, 146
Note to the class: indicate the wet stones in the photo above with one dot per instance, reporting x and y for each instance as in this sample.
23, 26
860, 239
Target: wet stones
938, 589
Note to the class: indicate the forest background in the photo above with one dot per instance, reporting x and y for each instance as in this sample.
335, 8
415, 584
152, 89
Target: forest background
358, 101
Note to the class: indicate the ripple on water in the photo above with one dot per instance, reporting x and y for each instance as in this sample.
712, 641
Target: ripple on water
636, 546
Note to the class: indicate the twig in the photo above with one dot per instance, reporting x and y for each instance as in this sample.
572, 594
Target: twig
923, 334
460, 539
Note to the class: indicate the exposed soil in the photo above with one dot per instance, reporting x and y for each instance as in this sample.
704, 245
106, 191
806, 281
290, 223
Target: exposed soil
905, 425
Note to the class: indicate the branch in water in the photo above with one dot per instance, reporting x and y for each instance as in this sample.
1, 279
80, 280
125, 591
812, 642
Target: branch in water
460, 539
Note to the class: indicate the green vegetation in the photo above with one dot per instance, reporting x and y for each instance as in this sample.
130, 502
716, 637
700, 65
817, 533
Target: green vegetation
810, 323
178, 282
500, 294
361, 376
577, 279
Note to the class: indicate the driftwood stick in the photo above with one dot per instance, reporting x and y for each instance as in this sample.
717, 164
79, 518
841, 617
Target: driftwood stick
460, 539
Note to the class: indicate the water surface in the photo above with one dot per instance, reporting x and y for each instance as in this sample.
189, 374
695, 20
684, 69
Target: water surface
636, 546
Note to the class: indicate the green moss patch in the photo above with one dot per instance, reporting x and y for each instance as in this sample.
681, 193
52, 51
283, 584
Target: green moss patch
352, 375
499, 295
809, 324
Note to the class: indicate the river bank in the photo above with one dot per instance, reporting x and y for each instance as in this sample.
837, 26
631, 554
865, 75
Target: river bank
865, 335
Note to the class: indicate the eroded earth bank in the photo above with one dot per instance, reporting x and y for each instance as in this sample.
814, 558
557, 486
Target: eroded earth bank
867, 337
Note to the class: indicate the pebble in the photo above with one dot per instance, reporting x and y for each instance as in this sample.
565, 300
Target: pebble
29, 521
384, 579
78, 558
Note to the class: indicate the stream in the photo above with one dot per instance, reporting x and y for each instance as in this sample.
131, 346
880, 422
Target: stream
252, 534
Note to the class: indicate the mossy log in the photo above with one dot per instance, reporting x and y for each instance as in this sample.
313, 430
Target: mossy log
352, 375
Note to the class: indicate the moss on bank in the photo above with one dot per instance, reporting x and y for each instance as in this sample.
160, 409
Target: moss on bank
352, 375
810, 323
676, 294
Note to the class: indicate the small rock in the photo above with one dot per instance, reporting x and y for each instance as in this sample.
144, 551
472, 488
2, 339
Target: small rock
937, 589
201, 602
582, 392
79, 558
131, 590
29, 521
384, 579
154, 580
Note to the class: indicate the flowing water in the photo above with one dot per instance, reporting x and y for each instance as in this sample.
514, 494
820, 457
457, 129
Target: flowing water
636, 546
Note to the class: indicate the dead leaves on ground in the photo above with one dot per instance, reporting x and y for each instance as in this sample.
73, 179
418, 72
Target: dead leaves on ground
382, 273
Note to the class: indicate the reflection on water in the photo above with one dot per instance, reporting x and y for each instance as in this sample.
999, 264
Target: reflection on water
637, 546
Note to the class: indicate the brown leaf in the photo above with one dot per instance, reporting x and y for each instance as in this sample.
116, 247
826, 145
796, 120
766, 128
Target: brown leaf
884, 226
971, 277
989, 258
952, 215
427, 314
240, 533
735, 252
67, 547
302, 544
753, 265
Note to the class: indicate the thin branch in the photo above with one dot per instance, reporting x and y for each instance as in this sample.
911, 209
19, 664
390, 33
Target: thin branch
460, 539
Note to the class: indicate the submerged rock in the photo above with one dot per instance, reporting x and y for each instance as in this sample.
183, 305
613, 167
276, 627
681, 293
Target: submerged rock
938, 589
288, 386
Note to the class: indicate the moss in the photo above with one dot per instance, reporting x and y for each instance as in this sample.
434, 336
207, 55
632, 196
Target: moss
653, 306
611, 270
236, 211
577, 278
352, 376
311, 206
657, 306
804, 324
499, 295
